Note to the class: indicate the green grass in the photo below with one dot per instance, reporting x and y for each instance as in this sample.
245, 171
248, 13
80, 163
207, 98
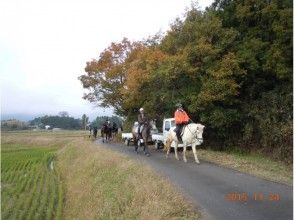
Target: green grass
30, 189
251, 163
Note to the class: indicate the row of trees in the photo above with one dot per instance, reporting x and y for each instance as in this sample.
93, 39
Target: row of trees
57, 121
64, 121
230, 66
14, 124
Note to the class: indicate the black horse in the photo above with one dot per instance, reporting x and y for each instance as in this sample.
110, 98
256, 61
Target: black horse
107, 131
114, 129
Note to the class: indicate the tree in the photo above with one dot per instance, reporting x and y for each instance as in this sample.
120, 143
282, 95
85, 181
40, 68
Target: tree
264, 48
85, 121
230, 66
63, 114
57, 122
106, 76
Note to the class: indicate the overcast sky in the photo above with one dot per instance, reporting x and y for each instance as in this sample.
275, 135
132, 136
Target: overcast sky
44, 46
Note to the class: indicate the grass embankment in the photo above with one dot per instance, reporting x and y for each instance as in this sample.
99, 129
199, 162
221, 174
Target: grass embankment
251, 163
88, 182
102, 184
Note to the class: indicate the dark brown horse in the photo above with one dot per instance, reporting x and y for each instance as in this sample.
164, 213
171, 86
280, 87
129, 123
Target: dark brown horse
107, 131
145, 136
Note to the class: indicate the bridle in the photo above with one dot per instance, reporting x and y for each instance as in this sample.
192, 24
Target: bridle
198, 139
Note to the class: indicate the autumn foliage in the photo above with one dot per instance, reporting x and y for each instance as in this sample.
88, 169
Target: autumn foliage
230, 66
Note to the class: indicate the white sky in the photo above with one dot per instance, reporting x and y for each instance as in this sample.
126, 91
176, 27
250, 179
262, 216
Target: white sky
44, 47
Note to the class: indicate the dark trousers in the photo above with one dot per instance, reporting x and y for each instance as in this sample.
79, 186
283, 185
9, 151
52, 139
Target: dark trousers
179, 128
139, 128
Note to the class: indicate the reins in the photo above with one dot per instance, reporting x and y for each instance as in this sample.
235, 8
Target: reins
199, 139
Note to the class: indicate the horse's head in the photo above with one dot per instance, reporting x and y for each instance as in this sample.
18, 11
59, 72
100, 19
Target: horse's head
199, 132
135, 128
152, 125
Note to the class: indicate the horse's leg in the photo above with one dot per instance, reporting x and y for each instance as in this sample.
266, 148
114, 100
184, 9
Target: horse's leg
167, 146
144, 147
146, 150
184, 153
145, 139
136, 144
195, 153
176, 150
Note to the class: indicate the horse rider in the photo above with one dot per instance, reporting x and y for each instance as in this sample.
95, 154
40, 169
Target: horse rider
142, 119
90, 129
181, 118
106, 124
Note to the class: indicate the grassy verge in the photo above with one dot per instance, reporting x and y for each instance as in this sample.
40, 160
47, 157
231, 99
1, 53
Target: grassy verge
253, 164
102, 184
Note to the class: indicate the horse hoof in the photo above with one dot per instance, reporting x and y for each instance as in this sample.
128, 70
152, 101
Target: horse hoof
197, 162
185, 161
148, 155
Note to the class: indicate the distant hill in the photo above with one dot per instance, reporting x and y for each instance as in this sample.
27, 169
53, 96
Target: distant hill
29, 117
20, 117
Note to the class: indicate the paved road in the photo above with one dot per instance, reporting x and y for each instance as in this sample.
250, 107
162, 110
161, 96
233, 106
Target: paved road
221, 193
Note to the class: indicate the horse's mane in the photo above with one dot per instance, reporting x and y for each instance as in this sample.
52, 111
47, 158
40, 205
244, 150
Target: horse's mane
195, 125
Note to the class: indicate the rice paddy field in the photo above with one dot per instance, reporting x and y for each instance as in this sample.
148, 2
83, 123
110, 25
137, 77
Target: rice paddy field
31, 186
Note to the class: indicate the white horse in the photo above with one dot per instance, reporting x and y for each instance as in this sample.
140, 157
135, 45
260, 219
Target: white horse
192, 135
